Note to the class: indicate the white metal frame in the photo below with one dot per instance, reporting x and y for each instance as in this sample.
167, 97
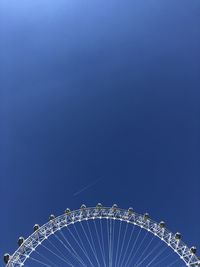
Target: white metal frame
35, 239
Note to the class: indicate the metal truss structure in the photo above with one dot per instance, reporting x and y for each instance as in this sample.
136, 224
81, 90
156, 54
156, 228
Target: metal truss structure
99, 212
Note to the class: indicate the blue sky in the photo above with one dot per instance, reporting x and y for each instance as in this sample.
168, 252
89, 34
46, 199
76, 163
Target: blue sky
104, 91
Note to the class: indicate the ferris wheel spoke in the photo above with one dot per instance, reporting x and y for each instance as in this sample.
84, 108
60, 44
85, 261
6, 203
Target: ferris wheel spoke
118, 239
44, 257
99, 242
163, 259
70, 248
144, 251
57, 255
128, 244
103, 245
89, 244
122, 246
139, 247
112, 239
149, 254
174, 262
74, 251
108, 241
92, 242
109, 238
157, 255
80, 245
131, 252
40, 262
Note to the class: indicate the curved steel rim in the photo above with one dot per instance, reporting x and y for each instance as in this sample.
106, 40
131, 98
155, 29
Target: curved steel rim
36, 238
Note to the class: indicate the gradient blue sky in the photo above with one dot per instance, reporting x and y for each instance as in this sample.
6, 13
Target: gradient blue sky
99, 89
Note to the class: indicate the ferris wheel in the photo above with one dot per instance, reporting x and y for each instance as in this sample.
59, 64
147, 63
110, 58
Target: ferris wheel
103, 237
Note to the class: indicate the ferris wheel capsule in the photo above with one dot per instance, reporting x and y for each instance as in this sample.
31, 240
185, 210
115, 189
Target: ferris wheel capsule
20, 241
177, 236
6, 257
130, 211
67, 211
83, 207
146, 216
162, 224
114, 207
193, 250
36, 227
99, 206
51, 217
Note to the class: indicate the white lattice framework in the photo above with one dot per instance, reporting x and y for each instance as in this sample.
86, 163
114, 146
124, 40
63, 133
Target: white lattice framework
30, 244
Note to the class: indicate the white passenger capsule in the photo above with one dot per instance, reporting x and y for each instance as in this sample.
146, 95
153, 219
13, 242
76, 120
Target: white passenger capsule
83, 206
67, 211
114, 207
6, 258
99, 206
146, 216
193, 250
130, 211
51, 217
162, 224
36, 227
177, 236
20, 241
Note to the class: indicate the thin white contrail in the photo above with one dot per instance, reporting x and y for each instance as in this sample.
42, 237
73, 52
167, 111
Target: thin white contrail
88, 186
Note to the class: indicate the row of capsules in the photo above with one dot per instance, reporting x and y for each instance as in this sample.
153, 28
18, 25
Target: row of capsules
99, 206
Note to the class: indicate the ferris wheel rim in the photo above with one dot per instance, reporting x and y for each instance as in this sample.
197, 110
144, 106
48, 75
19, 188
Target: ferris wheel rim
88, 213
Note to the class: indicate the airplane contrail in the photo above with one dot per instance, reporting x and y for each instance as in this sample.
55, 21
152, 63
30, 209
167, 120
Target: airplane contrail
88, 186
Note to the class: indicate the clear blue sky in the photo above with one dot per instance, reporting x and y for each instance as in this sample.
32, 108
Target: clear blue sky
106, 90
